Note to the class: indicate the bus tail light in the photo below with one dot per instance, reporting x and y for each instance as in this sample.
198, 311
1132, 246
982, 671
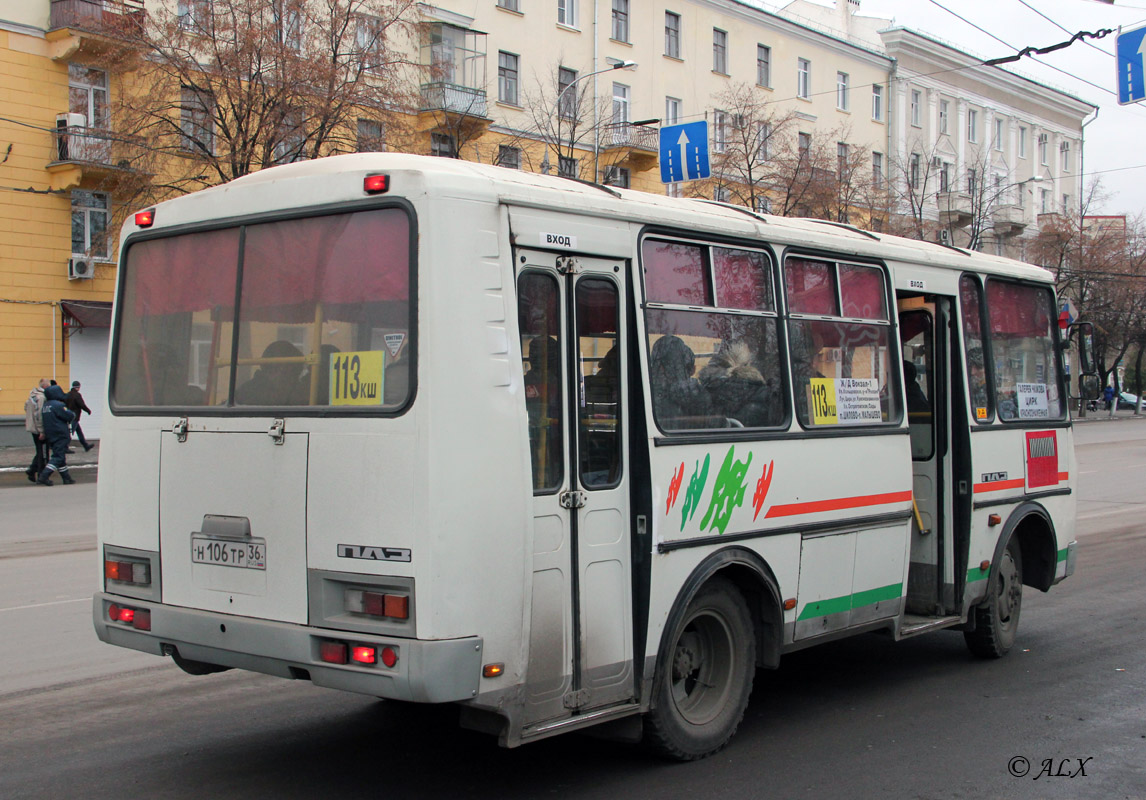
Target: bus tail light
363, 655
127, 571
333, 652
145, 219
377, 604
138, 618
376, 184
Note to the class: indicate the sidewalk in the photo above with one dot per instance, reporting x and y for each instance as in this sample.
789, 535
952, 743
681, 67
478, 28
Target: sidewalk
17, 459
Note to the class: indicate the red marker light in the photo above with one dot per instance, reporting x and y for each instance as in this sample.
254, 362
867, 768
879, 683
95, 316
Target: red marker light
363, 655
142, 620
375, 184
389, 656
332, 652
144, 219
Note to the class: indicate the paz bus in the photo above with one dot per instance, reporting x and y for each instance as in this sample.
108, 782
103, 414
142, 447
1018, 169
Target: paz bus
564, 454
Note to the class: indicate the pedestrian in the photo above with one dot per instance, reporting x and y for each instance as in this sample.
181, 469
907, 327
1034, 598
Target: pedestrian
1108, 396
75, 403
34, 424
57, 430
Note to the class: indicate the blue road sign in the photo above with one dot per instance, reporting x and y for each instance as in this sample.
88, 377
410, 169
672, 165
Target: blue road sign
684, 152
1131, 70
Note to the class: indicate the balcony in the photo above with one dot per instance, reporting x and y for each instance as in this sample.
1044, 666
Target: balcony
450, 98
954, 209
93, 158
93, 26
1009, 220
639, 144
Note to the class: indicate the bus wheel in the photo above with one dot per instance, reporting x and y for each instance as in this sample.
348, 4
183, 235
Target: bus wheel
704, 678
997, 619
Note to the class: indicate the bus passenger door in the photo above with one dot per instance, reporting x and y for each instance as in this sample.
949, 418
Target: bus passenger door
581, 641
924, 322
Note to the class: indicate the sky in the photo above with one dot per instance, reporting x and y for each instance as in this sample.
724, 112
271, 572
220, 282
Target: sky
1115, 149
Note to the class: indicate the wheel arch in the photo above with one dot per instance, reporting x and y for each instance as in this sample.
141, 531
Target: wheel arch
1032, 526
752, 576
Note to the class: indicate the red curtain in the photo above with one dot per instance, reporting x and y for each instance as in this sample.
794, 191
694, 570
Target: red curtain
1018, 311
811, 287
862, 292
674, 273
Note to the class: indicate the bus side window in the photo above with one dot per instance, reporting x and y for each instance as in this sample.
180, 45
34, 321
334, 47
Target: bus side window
540, 322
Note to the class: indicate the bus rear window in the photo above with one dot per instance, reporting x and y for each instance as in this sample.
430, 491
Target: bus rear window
323, 316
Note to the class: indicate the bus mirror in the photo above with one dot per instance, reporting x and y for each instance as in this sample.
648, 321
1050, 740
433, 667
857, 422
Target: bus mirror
1085, 332
1088, 386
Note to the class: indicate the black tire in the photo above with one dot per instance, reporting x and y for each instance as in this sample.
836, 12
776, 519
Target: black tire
704, 676
997, 619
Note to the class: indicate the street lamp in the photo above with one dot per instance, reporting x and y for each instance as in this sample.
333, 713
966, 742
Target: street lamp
628, 65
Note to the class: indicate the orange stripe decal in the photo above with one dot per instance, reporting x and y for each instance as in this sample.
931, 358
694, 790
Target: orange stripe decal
995, 486
838, 504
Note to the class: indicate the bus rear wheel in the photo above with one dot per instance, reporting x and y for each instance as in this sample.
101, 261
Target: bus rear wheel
997, 619
705, 676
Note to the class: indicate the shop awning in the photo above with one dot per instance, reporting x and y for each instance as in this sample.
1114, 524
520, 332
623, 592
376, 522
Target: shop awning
85, 314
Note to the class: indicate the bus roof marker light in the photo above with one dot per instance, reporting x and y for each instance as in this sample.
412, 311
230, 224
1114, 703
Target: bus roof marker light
145, 219
376, 184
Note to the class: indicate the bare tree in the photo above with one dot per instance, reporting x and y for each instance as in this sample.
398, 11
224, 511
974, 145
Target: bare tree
217, 89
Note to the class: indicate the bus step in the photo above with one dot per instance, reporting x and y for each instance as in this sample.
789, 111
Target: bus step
913, 624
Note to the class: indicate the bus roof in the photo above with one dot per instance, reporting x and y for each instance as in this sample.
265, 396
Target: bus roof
465, 178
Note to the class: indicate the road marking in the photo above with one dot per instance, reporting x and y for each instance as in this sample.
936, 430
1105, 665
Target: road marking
43, 605
1110, 513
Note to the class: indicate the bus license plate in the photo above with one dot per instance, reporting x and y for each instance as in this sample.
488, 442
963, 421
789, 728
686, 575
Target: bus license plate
245, 554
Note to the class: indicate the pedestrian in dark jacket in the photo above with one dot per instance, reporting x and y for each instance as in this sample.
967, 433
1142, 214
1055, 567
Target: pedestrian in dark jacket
57, 431
75, 403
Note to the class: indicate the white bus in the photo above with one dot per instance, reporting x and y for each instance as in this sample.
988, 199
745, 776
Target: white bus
562, 454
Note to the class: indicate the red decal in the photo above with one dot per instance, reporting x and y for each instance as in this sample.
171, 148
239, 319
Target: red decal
762, 486
1042, 459
994, 486
674, 488
838, 504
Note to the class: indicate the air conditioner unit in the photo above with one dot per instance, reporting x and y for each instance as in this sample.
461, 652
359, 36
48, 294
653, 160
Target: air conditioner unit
70, 129
81, 269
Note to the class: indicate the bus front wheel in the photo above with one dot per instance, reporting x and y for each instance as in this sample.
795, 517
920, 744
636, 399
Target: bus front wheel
997, 619
705, 676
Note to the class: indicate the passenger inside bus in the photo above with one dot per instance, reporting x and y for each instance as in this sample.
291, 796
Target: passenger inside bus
916, 399
678, 398
738, 391
276, 383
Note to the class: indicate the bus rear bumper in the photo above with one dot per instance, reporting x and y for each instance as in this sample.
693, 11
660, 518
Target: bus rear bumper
427, 671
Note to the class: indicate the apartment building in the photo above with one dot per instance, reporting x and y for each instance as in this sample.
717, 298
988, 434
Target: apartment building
980, 156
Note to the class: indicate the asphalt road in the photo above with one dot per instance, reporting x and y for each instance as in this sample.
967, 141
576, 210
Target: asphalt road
861, 718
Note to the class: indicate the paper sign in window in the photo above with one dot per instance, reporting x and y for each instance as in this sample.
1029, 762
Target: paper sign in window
356, 378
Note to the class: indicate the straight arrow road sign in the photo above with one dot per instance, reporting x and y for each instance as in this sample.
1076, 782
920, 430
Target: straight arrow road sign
684, 152
1131, 66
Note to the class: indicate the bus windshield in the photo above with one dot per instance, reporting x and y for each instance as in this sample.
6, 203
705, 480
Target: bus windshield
298, 312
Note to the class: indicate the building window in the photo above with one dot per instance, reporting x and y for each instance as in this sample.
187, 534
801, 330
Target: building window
916, 102
672, 35
972, 181
291, 144
843, 100
719, 51
509, 157
507, 78
370, 38
972, 125
621, 20
615, 176
763, 65
803, 144
998, 134
672, 111
945, 177
1064, 155
1043, 139
1044, 201
567, 100
193, 15
1022, 141
944, 115
196, 122
566, 167
288, 24
87, 95
719, 131
621, 108
763, 140
90, 217
803, 78
841, 160
877, 170
511, 5
1066, 204
444, 145
762, 204
371, 138
913, 171
721, 194
567, 13
877, 102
